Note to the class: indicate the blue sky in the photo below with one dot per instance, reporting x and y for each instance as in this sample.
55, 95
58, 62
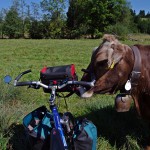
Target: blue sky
7, 3
137, 5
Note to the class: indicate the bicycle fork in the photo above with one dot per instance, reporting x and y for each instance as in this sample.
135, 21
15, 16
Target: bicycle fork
56, 117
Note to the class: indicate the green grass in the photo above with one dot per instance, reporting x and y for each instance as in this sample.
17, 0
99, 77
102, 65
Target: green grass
115, 130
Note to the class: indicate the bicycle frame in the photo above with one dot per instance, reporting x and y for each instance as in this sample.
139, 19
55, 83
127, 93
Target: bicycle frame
58, 122
57, 119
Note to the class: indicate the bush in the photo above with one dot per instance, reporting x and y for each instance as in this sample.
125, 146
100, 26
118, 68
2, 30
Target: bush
119, 29
144, 26
98, 34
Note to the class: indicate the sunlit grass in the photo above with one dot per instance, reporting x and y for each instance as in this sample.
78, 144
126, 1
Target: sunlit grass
115, 130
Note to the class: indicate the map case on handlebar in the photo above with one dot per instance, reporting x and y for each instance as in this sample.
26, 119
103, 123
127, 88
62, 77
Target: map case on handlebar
59, 75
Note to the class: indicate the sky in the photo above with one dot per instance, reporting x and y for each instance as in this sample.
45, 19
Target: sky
137, 5
8, 3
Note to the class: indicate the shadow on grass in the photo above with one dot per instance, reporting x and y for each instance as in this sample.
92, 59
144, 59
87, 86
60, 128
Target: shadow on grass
115, 127
112, 126
19, 140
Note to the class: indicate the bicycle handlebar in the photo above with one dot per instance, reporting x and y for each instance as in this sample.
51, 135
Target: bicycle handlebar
21, 74
23, 83
38, 83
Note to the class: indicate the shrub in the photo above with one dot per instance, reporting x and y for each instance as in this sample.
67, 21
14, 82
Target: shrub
119, 29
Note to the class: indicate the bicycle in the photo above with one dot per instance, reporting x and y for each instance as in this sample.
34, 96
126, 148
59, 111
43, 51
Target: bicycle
63, 125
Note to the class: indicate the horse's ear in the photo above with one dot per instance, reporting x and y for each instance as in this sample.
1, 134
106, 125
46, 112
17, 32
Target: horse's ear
109, 38
110, 60
114, 55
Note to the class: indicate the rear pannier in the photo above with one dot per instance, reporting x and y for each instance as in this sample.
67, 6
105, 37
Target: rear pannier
59, 75
38, 125
85, 135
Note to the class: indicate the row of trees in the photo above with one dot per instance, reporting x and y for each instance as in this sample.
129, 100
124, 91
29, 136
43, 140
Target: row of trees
71, 19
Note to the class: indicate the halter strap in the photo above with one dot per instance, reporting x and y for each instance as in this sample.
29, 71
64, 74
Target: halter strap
136, 72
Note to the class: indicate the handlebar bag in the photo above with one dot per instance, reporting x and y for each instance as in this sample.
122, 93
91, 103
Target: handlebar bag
59, 75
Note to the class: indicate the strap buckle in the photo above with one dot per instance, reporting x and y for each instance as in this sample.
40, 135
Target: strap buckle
135, 75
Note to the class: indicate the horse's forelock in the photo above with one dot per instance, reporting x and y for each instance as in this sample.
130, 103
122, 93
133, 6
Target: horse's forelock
109, 38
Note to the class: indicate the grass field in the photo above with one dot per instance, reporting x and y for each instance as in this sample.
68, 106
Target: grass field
116, 131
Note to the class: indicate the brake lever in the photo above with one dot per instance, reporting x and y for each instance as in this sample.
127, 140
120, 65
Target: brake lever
29, 87
33, 86
36, 87
85, 70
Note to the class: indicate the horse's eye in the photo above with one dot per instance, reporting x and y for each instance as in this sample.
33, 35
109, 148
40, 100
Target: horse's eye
103, 64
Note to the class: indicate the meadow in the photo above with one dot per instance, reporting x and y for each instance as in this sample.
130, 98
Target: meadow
116, 131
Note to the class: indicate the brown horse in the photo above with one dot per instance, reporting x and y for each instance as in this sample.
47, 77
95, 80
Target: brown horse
116, 66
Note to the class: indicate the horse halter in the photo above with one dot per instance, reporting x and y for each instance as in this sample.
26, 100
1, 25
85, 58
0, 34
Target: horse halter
91, 72
136, 72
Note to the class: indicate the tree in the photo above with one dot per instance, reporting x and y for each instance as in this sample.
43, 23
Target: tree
52, 7
36, 30
148, 28
19, 6
142, 13
133, 13
27, 22
73, 14
16, 5
23, 16
12, 24
35, 11
35, 24
54, 15
143, 25
93, 16
2, 15
148, 15
55, 26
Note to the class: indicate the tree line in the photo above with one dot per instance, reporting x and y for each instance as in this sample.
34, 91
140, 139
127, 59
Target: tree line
71, 19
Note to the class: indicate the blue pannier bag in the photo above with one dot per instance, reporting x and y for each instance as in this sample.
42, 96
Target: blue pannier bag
38, 123
85, 135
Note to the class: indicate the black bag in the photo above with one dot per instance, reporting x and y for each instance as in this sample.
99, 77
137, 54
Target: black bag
38, 126
38, 123
59, 75
39, 144
56, 142
85, 135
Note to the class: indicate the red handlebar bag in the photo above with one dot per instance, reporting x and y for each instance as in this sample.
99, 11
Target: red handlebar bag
59, 75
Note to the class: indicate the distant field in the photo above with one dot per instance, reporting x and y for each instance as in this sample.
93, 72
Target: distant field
116, 131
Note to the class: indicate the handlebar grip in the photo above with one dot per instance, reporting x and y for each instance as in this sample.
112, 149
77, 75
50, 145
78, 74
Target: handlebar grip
83, 83
90, 84
21, 74
23, 83
27, 71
